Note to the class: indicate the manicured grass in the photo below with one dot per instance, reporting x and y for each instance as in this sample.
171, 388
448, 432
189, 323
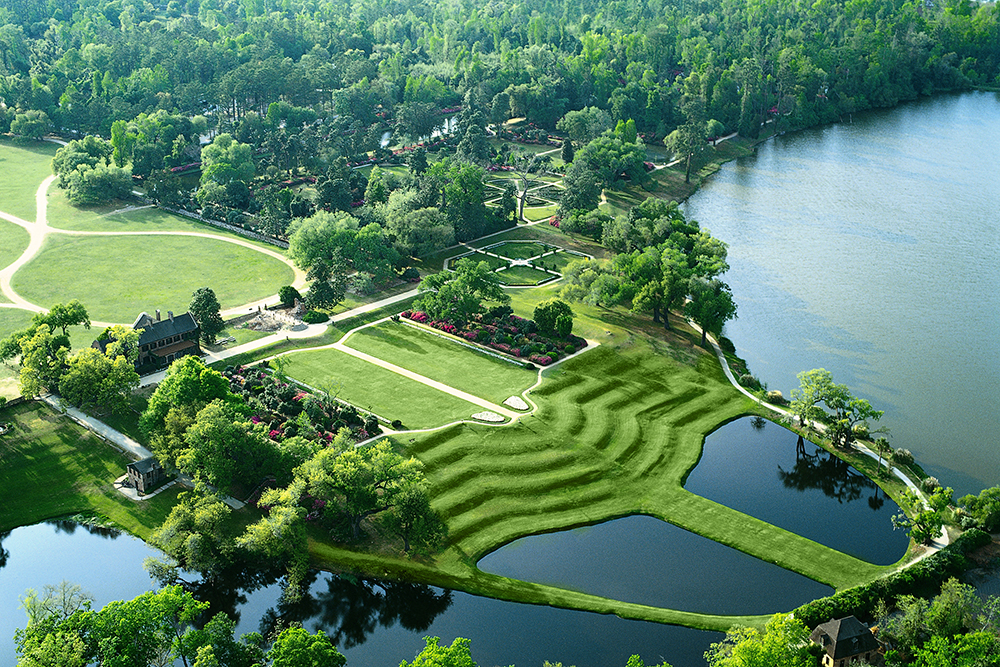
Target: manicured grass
23, 167
374, 388
13, 242
52, 467
560, 260
240, 333
523, 275
114, 218
539, 212
493, 262
13, 319
520, 250
116, 277
443, 360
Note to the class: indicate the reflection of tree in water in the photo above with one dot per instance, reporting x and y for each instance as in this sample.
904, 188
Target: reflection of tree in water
831, 475
350, 609
4, 554
69, 527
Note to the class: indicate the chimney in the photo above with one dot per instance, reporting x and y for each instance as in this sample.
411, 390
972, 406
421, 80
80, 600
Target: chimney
157, 314
170, 314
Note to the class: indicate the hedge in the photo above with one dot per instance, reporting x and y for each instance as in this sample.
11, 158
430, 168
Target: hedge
923, 579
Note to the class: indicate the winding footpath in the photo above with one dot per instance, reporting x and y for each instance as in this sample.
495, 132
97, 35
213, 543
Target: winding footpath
40, 229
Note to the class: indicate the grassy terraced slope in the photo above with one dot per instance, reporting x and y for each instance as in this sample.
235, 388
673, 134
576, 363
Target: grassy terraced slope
615, 434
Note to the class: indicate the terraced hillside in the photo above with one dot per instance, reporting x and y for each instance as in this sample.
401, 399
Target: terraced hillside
615, 434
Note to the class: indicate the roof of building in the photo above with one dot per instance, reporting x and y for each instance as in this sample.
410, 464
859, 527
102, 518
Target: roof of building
844, 637
158, 329
142, 466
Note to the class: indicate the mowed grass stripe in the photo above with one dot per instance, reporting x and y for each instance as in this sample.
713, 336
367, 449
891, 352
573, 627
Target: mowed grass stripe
117, 277
443, 360
374, 388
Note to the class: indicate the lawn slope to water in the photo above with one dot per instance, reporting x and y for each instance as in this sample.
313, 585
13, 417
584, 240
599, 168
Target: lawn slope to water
51, 467
117, 277
377, 389
443, 360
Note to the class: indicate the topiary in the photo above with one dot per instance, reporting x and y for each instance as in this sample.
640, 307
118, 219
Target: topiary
288, 294
315, 317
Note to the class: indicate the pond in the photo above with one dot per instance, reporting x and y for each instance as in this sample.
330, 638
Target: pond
764, 470
374, 623
648, 561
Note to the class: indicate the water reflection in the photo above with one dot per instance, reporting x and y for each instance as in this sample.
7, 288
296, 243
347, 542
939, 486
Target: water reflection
819, 469
773, 474
69, 526
351, 609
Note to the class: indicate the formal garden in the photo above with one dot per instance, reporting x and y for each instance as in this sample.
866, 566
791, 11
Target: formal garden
526, 263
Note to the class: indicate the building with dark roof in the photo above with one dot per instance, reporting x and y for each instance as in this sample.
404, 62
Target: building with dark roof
164, 340
845, 641
144, 474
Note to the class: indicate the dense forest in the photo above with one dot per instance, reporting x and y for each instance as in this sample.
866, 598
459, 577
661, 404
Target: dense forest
347, 70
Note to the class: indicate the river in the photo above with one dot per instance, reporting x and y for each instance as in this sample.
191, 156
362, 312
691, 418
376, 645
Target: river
872, 249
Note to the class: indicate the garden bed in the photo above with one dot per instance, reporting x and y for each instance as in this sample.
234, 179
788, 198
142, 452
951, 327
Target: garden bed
516, 337
521, 249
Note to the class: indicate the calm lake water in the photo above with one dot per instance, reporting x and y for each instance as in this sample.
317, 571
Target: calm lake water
765, 470
872, 249
645, 560
374, 624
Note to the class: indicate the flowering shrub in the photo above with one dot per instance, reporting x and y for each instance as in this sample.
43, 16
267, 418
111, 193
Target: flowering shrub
274, 434
416, 316
540, 359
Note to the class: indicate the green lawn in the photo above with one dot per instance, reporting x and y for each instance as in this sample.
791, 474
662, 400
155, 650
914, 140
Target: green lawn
23, 167
443, 360
13, 242
534, 213
560, 260
493, 262
12, 319
63, 215
523, 275
374, 388
617, 430
117, 277
52, 467
520, 250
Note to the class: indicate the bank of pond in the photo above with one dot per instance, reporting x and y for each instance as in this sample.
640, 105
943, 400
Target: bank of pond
757, 467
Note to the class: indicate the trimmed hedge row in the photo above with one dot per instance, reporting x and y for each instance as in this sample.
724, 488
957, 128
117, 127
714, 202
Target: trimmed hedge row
923, 579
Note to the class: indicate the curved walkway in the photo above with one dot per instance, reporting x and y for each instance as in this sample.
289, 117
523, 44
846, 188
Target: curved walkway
40, 229
936, 545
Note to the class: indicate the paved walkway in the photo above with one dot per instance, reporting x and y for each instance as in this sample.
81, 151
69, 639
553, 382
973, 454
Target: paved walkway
937, 544
310, 331
40, 229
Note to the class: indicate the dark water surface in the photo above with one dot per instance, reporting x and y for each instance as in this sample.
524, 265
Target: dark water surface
872, 249
375, 624
766, 471
642, 559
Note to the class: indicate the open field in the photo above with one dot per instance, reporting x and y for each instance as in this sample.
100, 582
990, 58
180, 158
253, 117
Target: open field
13, 242
517, 276
12, 319
443, 360
374, 388
117, 277
52, 467
23, 167
63, 215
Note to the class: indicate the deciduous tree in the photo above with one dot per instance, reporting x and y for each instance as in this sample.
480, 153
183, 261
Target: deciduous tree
206, 311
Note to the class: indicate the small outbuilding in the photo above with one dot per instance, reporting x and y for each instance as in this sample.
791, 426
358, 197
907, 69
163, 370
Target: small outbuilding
145, 474
846, 641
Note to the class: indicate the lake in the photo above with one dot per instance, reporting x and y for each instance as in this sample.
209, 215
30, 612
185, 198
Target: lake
872, 249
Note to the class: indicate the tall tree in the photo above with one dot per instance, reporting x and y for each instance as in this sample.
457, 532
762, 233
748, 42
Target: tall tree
205, 310
711, 306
